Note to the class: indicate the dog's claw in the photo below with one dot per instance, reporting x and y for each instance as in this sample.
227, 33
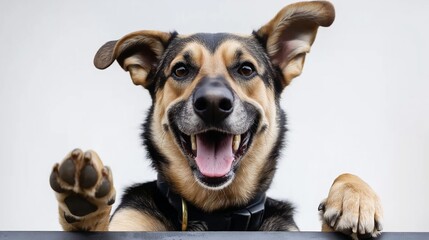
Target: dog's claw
378, 226
321, 206
87, 156
76, 153
70, 219
111, 201
333, 219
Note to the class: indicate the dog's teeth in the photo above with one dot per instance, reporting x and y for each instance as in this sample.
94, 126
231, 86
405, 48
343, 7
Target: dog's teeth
236, 142
193, 142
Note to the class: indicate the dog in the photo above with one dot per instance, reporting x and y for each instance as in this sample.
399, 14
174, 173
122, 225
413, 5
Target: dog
213, 133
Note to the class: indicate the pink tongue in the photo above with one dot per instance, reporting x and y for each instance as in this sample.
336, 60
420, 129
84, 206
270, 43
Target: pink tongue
214, 158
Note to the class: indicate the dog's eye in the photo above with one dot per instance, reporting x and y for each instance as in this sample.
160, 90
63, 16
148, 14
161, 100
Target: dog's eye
180, 70
246, 69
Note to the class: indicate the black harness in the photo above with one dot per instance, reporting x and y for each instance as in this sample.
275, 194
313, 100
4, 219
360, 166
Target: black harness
247, 218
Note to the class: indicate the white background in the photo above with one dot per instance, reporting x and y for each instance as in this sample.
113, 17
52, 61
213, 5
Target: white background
361, 105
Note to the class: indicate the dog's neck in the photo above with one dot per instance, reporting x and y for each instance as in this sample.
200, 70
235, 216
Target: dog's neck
245, 218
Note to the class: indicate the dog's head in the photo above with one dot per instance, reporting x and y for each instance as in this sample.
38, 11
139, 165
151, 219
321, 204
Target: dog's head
215, 127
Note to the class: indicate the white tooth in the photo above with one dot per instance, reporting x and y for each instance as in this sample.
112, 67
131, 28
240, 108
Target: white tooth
236, 142
193, 142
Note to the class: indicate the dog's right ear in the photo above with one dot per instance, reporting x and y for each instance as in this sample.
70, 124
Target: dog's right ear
138, 53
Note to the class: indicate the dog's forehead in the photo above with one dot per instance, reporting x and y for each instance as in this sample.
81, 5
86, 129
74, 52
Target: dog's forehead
212, 42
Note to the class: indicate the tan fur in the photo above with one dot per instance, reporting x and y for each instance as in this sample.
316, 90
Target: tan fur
98, 221
357, 206
133, 220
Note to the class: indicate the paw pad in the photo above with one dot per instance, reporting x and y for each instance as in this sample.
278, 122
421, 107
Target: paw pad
67, 171
103, 189
79, 206
53, 181
83, 184
88, 176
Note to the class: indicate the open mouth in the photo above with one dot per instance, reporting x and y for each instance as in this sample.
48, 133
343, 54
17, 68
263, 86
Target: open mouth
214, 155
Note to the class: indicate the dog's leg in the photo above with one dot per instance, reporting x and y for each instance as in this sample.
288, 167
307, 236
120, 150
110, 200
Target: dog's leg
352, 207
84, 190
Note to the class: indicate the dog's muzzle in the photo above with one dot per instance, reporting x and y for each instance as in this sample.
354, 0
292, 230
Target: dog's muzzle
214, 129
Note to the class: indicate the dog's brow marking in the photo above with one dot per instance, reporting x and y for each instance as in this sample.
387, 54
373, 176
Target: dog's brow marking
238, 54
247, 54
186, 57
189, 58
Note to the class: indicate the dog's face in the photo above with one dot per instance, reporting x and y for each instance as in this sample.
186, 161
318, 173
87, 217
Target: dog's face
217, 101
215, 127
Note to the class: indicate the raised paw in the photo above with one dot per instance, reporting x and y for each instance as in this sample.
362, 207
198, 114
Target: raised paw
83, 186
352, 208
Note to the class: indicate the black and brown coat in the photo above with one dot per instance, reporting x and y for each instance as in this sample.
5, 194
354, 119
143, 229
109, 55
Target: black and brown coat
214, 133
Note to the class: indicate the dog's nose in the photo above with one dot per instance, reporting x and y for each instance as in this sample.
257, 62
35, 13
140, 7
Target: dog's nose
213, 100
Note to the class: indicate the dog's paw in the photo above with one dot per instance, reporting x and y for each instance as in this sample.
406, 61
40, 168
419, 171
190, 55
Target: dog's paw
353, 208
83, 186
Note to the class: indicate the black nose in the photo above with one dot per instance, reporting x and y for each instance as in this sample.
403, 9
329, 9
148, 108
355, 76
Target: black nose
213, 100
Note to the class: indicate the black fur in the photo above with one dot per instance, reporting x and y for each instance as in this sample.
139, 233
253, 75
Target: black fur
148, 199
158, 159
278, 216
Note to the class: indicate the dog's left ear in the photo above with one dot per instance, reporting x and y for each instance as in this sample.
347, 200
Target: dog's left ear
138, 53
289, 35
